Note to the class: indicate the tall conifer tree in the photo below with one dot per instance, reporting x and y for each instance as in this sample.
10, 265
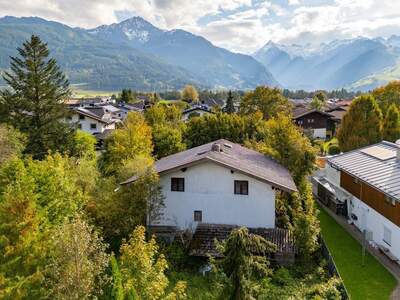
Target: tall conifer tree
229, 107
33, 103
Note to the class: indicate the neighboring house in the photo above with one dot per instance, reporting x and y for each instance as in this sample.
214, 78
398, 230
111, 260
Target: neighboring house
93, 119
211, 102
126, 108
364, 186
338, 111
195, 111
218, 186
318, 124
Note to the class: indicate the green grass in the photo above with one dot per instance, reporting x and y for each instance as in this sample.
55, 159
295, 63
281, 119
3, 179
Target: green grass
198, 287
79, 92
368, 282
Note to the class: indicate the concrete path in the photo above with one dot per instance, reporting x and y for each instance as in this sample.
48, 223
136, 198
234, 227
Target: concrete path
386, 262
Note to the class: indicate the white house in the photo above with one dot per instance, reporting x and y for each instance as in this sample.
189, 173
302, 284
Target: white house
220, 183
94, 119
367, 182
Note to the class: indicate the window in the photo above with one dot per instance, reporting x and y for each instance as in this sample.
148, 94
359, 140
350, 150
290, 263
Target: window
241, 187
178, 184
198, 216
81, 117
93, 126
387, 235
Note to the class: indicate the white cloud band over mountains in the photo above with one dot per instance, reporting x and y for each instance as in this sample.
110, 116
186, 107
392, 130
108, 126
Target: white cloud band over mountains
240, 25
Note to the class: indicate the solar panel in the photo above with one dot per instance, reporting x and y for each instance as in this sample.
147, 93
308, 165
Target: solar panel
379, 152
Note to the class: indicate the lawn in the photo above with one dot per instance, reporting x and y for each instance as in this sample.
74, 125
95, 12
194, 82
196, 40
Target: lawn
371, 281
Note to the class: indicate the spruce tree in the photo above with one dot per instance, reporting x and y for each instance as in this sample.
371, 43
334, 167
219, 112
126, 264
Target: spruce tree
361, 125
391, 124
229, 107
33, 103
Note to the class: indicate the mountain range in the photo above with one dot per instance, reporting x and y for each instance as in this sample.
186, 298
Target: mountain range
356, 64
134, 54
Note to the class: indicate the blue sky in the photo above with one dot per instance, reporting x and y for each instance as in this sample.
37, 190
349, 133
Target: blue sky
239, 25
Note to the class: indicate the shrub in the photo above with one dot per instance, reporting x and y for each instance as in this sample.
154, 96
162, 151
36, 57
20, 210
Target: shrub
333, 149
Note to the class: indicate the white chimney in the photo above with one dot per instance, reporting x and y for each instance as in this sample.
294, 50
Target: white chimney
216, 147
398, 150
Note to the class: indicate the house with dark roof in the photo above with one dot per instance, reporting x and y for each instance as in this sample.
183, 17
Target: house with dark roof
195, 111
363, 185
94, 119
318, 124
212, 188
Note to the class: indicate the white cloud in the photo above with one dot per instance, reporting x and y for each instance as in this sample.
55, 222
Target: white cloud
293, 2
241, 25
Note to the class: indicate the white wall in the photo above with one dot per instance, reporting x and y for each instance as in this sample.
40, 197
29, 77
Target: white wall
319, 133
210, 188
368, 218
85, 124
375, 223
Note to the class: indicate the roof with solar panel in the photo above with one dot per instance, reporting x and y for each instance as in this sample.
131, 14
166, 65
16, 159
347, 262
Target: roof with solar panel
377, 165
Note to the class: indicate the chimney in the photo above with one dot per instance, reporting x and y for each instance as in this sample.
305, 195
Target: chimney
216, 147
398, 150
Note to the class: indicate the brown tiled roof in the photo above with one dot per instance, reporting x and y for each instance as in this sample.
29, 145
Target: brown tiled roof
233, 156
203, 242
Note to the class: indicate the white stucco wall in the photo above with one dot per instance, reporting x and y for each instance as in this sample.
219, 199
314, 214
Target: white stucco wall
210, 188
375, 222
319, 133
85, 124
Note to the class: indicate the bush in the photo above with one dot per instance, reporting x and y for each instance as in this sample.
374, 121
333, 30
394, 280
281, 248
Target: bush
333, 149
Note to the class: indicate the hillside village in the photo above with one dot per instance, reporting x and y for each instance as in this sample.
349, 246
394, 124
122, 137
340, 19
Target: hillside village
195, 194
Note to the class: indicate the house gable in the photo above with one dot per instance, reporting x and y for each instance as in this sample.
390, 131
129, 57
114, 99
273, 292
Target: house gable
209, 188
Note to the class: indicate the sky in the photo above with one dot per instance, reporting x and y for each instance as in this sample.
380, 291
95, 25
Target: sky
238, 25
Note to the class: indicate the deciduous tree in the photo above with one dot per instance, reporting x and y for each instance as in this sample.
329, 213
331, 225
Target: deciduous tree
34, 101
269, 101
280, 138
387, 95
232, 127
361, 125
78, 261
391, 124
131, 141
190, 94
143, 269
12, 143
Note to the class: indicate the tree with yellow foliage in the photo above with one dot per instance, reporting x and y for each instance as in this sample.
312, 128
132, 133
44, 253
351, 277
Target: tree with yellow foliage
142, 270
190, 94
